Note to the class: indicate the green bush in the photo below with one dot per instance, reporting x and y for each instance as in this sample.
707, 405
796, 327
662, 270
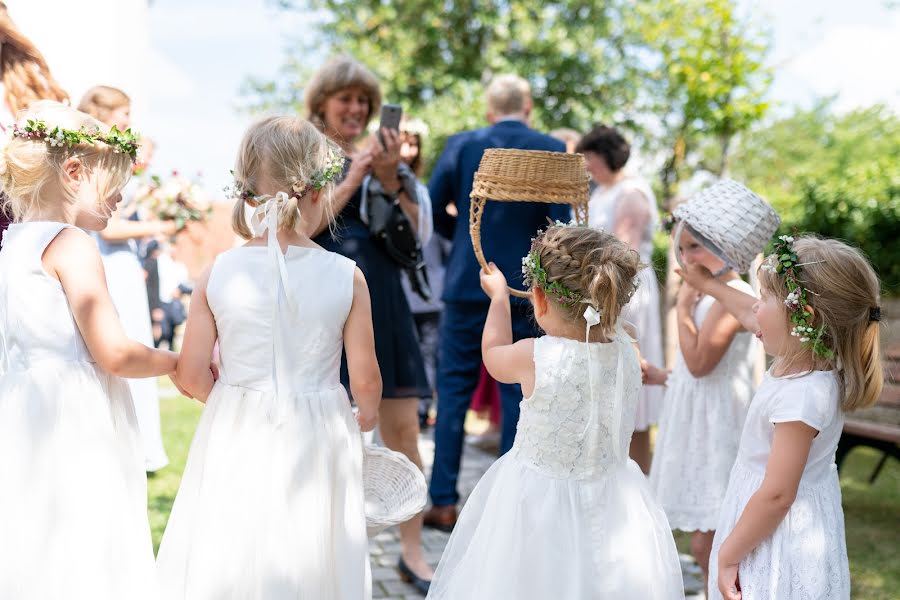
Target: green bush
862, 209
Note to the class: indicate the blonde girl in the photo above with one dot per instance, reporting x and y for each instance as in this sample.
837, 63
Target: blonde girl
277, 455
73, 514
781, 529
567, 484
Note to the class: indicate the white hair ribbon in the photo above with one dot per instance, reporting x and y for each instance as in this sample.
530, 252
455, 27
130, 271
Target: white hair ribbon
622, 339
265, 217
591, 318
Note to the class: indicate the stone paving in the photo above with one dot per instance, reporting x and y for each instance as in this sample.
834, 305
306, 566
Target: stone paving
385, 547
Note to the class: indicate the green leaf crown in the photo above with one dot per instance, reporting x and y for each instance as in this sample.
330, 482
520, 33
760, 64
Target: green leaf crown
334, 167
122, 142
784, 262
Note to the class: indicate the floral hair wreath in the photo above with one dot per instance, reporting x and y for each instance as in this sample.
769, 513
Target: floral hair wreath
534, 275
122, 142
334, 166
784, 261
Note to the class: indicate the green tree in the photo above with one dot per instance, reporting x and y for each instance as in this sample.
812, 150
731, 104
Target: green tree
678, 75
707, 81
837, 175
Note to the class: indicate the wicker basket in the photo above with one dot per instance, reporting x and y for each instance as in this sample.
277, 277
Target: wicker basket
509, 175
730, 221
394, 488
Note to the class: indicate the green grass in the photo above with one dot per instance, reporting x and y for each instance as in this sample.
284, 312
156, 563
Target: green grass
872, 512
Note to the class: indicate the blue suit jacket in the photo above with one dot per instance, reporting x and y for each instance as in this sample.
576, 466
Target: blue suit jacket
506, 227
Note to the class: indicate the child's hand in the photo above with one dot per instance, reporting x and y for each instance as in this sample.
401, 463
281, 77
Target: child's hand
367, 419
214, 369
653, 375
494, 283
688, 296
696, 275
729, 584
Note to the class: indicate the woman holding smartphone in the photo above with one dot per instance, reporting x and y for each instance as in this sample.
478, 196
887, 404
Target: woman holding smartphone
341, 99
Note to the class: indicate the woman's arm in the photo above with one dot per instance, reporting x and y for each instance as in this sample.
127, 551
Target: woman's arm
362, 362
631, 218
385, 162
704, 348
768, 506
507, 362
193, 370
73, 258
118, 230
736, 302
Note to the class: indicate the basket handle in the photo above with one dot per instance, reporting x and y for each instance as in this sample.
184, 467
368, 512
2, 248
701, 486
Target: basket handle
476, 209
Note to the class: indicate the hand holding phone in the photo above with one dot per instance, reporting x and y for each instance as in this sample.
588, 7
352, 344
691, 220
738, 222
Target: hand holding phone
390, 119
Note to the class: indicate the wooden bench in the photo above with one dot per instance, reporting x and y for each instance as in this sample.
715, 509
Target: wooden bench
879, 426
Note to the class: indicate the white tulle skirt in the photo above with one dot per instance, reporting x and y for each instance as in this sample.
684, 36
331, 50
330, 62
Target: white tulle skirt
73, 505
270, 507
529, 536
128, 289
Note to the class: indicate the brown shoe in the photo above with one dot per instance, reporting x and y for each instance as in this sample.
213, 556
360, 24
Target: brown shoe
442, 518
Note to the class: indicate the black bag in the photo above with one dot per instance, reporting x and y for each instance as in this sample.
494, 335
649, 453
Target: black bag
392, 232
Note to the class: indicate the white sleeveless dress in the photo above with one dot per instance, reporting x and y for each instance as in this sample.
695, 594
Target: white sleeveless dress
73, 506
566, 513
644, 309
271, 503
699, 430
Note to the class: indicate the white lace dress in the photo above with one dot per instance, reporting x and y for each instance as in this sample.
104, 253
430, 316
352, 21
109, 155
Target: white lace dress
699, 430
566, 513
806, 557
271, 503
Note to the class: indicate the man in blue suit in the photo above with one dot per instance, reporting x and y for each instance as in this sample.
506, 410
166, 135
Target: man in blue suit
506, 232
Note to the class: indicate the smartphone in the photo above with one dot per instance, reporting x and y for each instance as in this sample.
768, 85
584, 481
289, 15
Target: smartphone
390, 119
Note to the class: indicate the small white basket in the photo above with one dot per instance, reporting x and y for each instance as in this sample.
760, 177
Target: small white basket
394, 488
731, 221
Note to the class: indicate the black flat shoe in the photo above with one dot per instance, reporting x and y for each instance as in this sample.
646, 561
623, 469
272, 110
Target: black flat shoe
407, 576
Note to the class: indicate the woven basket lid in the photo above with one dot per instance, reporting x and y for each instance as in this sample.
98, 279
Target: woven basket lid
531, 176
732, 222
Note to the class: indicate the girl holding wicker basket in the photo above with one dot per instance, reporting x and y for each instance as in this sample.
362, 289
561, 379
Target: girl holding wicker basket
565, 513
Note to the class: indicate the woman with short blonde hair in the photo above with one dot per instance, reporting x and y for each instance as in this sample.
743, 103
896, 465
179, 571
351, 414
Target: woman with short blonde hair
341, 99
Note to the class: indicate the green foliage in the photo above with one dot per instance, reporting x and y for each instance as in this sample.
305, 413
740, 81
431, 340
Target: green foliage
695, 67
838, 176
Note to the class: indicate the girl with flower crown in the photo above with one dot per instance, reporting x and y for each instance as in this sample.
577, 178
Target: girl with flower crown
565, 513
271, 502
781, 527
73, 512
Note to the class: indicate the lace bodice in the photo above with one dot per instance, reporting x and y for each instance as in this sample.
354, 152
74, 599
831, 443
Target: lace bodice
567, 428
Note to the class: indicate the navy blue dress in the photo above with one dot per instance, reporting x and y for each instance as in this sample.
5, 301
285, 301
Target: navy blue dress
399, 358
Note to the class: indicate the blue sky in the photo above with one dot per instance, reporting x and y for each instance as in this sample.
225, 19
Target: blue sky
206, 49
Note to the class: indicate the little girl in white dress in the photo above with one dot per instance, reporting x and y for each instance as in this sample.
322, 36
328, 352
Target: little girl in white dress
565, 513
781, 527
73, 511
271, 503
706, 401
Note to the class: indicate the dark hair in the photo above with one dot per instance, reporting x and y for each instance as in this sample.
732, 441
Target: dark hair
608, 143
